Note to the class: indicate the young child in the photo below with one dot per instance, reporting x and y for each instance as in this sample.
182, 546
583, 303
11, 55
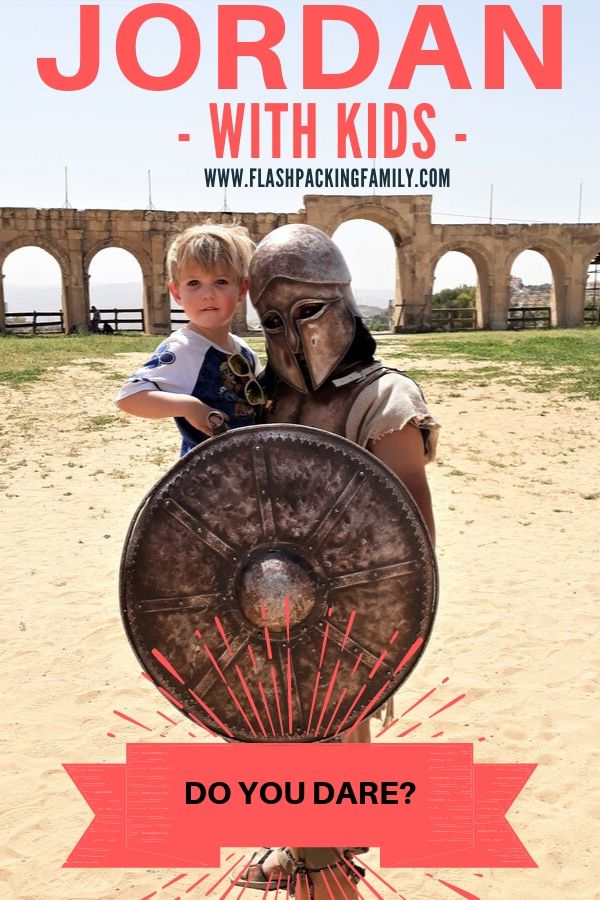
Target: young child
201, 368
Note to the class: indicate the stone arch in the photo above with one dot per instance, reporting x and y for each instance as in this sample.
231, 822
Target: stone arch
138, 253
57, 254
386, 216
35, 241
483, 261
382, 260
591, 299
591, 254
554, 255
579, 262
399, 230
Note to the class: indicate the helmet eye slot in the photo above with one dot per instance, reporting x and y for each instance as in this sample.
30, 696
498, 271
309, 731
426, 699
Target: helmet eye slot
310, 310
272, 322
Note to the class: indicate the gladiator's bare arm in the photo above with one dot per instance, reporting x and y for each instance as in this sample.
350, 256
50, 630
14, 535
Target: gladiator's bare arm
402, 451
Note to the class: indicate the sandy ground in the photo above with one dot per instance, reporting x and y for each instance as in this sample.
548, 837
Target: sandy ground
517, 495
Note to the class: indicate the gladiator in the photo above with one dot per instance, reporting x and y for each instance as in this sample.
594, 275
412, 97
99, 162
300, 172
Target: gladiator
321, 373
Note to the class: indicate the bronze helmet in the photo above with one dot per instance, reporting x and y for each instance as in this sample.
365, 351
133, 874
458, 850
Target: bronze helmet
300, 285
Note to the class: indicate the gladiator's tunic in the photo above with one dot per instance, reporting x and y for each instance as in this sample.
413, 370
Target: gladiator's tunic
377, 401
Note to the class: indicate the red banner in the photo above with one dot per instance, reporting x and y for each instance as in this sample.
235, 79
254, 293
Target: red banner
176, 805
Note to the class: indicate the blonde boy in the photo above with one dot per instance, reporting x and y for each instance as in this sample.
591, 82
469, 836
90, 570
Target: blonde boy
201, 367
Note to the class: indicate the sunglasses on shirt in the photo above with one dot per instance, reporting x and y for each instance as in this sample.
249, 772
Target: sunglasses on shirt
253, 392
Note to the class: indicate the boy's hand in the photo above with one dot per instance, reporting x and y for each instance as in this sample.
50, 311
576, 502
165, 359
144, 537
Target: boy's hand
198, 416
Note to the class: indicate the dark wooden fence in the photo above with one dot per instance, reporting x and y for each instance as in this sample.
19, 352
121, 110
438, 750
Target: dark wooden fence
520, 317
178, 317
40, 322
463, 319
116, 318
34, 322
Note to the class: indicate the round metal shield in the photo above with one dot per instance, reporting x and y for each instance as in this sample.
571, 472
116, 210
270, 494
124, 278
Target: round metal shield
278, 584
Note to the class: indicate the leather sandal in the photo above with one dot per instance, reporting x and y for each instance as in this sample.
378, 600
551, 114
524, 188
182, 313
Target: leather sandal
260, 883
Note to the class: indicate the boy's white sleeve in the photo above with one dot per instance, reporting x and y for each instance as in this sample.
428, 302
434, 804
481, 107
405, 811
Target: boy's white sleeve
172, 367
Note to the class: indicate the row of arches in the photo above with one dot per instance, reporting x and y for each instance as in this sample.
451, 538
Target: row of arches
532, 273
33, 278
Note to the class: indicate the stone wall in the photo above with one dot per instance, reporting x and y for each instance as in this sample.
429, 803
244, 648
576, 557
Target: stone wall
73, 237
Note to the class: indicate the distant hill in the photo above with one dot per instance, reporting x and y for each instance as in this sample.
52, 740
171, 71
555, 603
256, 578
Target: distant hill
373, 302
23, 298
376, 298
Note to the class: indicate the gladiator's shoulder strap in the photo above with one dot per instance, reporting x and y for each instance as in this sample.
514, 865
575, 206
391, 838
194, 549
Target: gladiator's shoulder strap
368, 373
371, 373
361, 378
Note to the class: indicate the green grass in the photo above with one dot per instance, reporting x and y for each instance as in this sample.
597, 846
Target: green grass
24, 360
577, 346
96, 423
20, 376
538, 361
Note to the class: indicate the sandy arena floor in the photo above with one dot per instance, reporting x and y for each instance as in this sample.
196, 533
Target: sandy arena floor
517, 495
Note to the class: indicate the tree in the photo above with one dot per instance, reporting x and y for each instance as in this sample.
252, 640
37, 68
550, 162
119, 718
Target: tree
378, 323
461, 297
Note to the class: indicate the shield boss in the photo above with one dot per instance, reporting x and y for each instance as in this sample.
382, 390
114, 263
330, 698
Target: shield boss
278, 583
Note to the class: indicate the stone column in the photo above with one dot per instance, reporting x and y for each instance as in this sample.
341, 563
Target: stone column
414, 260
2, 308
561, 283
574, 304
557, 304
75, 300
240, 320
415, 278
499, 295
86, 297
157, 300
397, 311
485, 293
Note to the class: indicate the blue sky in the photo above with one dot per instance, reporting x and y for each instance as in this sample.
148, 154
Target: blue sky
535, 146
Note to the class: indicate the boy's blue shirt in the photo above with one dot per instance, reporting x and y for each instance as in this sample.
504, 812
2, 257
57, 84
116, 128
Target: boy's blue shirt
188, 363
